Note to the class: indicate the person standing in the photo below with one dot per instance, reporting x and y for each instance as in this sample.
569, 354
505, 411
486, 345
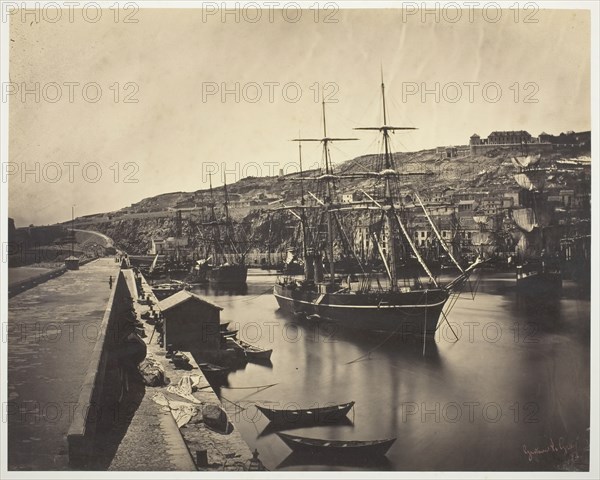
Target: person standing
110, 282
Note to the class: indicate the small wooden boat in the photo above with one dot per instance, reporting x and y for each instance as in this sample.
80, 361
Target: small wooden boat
337, 447
164, 290
309, 416
253, 352
229, 333
223, 326
212, 370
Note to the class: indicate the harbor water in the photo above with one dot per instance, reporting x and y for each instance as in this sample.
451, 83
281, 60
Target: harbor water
512, 393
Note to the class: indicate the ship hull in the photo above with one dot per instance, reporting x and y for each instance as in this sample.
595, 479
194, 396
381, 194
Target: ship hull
539, 284
404, 313
228, 275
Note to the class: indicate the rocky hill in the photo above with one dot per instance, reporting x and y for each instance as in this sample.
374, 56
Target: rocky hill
254, 199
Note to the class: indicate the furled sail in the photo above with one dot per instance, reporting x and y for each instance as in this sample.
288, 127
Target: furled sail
525, 219
526, 162
532, 180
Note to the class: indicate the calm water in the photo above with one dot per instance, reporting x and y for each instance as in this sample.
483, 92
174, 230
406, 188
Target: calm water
511, 394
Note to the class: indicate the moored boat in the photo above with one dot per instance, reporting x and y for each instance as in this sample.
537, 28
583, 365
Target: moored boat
252, 352
337, 447
538, 266
410, 300
164, 290
307, 416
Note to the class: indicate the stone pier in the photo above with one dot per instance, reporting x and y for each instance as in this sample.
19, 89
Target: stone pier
153, 441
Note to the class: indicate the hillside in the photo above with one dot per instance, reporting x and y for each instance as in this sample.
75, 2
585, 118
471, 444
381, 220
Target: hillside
253, 199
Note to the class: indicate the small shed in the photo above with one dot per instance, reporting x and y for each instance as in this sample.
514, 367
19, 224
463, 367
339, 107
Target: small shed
72, 263
190, 322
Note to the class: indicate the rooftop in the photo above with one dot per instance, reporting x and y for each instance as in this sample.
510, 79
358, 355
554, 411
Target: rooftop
181, 297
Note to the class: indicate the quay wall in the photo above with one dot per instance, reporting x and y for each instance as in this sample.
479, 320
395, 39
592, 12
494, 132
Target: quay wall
101, 385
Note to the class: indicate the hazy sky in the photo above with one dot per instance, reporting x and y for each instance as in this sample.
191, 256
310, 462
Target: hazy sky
172, 136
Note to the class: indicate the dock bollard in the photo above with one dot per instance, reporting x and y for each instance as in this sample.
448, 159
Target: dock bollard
202, 458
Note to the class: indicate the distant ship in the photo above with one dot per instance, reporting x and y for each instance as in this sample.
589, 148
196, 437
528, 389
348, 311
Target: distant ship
538, 251
226, 264
401, 305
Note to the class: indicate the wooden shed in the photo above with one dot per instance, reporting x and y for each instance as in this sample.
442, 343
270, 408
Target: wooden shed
190, 322
72, 263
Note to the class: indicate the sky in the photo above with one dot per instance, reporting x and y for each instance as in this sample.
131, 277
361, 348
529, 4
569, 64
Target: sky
158, 104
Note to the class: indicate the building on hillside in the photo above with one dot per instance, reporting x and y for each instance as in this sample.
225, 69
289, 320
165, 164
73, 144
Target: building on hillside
350, 197
512, 137
364, 243
467, 205
169, 246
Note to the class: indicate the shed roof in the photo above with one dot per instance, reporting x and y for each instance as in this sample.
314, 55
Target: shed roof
181, 297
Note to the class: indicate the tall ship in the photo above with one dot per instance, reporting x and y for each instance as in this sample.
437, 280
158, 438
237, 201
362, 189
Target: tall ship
225, 260
401, 302
538, 251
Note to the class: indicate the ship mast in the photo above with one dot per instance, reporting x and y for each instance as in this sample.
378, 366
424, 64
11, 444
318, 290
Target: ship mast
308, 265
216, 240
390, 212
328, 200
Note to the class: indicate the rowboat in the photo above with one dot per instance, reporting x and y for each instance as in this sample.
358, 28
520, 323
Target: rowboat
214, 371
321, 415
337, 447
253, 352
229, 333
223, 326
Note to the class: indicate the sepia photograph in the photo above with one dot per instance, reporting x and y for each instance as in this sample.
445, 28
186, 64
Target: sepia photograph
299, 239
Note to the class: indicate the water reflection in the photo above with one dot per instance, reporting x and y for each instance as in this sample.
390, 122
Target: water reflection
272, 428
518, 375
305, 461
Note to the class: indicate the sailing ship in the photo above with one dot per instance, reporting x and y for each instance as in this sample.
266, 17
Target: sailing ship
538, 262
412, 308
226, 264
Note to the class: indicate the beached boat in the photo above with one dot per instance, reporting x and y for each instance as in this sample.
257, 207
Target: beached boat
337, 447
213, 371
307, 416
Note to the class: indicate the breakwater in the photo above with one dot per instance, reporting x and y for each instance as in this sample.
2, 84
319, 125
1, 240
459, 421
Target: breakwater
100, 391
18, 287
122, 427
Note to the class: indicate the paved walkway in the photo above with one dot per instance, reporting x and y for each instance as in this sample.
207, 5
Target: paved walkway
52, 330
154, 442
